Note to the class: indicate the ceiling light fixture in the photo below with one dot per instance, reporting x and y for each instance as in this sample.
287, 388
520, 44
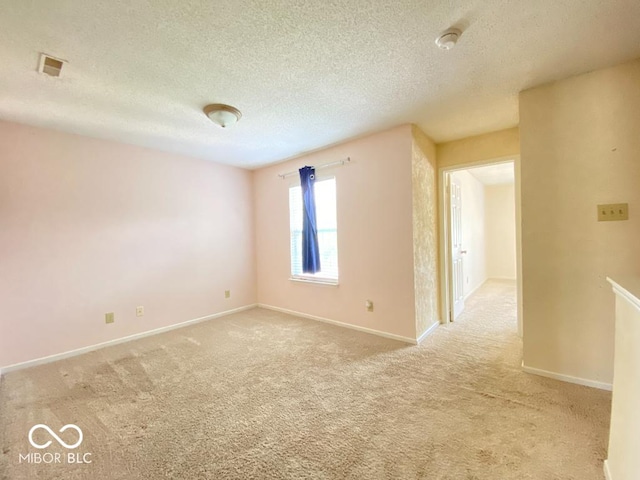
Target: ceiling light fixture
448, 39
223, 115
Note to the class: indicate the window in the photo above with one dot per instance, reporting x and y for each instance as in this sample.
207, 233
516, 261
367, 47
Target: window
325, 193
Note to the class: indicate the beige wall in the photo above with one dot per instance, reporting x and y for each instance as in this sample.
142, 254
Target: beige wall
580, 143
473, 230
500, 208
490, 146
425, 230
375, 235
90, 226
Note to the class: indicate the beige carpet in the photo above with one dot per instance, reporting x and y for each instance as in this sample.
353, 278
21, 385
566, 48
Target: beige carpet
261, 395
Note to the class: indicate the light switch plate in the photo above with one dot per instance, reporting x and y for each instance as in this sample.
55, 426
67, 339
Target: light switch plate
612, 212
109, 317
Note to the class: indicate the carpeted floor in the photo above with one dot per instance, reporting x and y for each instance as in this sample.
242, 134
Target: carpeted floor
262, 395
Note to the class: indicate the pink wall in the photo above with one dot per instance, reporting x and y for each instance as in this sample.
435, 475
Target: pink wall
375, 242
89, 226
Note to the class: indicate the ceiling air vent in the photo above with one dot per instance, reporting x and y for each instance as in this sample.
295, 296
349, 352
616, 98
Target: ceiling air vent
50, 65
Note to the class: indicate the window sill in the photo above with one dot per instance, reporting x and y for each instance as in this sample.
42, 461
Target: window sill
315, 281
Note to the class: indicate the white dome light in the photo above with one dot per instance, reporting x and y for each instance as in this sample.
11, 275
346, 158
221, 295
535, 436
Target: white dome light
223, 115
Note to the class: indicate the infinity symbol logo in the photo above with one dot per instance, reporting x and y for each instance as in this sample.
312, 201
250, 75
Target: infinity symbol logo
53, 434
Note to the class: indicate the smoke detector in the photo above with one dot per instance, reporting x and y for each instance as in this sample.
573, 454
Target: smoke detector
448, 39
51, 66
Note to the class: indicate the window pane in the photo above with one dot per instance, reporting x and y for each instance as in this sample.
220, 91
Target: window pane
325, 193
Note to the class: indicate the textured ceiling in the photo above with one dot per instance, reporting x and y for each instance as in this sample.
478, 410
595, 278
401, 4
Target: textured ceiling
305, 74
497, 174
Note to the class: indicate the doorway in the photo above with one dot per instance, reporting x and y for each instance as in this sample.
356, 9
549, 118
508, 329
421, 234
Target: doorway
479, 231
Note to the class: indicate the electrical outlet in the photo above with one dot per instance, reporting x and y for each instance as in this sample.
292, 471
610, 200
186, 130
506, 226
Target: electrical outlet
109, 318
612, 212
139, 311
369, 305
227, 294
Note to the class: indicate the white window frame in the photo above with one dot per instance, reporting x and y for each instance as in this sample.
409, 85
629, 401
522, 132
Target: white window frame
311, 278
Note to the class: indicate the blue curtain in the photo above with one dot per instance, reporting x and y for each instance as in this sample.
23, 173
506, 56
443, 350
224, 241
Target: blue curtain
310, 249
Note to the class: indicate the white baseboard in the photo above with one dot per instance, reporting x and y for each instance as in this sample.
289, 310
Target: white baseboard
607, 472
475, 289
568, 378
80, 351
340, 324
427, 332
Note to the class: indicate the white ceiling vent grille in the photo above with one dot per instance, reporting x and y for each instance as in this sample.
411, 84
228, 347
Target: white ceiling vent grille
50, 65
